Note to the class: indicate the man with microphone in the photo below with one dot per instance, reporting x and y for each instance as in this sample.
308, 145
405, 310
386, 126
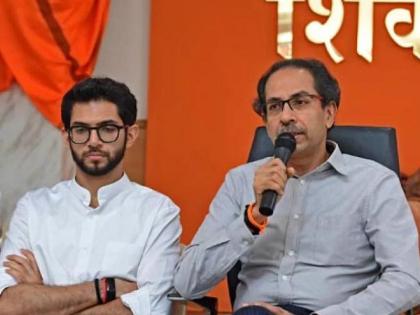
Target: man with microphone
317, 231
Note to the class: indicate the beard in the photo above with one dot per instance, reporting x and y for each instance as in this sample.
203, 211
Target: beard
96, 169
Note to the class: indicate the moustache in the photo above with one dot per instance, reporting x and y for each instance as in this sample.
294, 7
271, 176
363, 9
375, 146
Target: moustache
102, 153
293, 129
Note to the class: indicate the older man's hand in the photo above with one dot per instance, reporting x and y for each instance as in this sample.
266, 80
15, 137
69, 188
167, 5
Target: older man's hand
276, 310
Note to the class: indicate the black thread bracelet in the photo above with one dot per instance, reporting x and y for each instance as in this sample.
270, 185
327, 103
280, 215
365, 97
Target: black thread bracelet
110, 289
98, 292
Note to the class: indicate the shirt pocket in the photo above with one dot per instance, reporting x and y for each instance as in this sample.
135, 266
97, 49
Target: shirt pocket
340, 240
121, 259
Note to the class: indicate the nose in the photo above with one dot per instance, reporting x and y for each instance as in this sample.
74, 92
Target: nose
287, 114
94, 138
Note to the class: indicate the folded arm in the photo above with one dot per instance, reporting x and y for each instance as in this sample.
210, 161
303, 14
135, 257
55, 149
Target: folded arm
30, 296
38, 299
115, 307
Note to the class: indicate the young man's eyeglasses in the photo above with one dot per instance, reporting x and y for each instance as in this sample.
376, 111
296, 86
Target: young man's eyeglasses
296, 103
106, 133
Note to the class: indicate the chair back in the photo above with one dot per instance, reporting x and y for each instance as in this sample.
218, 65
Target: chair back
374, 143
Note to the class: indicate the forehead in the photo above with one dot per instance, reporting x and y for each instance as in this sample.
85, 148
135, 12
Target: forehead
94, 112
285, 82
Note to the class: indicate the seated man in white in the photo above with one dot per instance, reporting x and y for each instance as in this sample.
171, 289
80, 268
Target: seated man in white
97, 244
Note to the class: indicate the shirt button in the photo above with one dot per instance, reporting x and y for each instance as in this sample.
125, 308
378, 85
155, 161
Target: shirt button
285, 278
302, 181
296, 216
291, 253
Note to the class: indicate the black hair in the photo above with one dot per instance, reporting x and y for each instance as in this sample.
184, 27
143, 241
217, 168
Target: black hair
95, 89
325, 84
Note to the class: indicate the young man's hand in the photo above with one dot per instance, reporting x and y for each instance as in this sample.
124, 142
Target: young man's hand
24, 269
124, 286
412, 186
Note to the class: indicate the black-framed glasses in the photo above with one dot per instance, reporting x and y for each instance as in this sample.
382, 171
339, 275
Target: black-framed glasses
106, 133
296, 103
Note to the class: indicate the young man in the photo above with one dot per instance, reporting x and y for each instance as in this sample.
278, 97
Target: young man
97, 244
342, 238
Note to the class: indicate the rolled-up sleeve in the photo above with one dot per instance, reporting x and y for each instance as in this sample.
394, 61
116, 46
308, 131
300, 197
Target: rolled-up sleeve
156, 270
16, 239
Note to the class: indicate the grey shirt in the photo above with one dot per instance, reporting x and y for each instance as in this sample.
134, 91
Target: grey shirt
342, 240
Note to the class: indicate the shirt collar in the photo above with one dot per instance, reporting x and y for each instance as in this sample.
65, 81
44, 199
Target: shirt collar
105, 193
336, 159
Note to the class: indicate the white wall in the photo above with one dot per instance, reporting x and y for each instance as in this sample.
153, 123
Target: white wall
124, 53
32, 152
30, 145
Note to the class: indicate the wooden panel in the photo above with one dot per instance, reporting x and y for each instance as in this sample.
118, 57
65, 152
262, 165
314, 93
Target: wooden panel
135, 156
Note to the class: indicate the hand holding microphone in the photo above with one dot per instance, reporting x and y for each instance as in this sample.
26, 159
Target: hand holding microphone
271, 177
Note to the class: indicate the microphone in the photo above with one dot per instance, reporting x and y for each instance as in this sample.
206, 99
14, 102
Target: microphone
284, 146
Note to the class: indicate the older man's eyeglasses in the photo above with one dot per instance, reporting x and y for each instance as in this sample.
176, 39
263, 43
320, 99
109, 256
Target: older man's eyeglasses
106, 133
296, 103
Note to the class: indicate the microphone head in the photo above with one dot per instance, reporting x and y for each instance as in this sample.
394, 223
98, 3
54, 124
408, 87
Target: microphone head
286, 140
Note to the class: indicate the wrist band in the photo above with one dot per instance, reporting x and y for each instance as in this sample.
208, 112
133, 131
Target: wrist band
98, 292
253, 225
110, 289
103, 290
259, 226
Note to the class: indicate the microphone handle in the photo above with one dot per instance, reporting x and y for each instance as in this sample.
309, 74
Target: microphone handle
268, 202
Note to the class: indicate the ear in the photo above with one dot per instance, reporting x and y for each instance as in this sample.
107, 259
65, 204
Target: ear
132, 134
330, 111
65, 136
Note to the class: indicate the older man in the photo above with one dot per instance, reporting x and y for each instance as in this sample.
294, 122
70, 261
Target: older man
342, 239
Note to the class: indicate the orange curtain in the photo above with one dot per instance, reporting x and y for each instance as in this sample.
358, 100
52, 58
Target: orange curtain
48, 45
